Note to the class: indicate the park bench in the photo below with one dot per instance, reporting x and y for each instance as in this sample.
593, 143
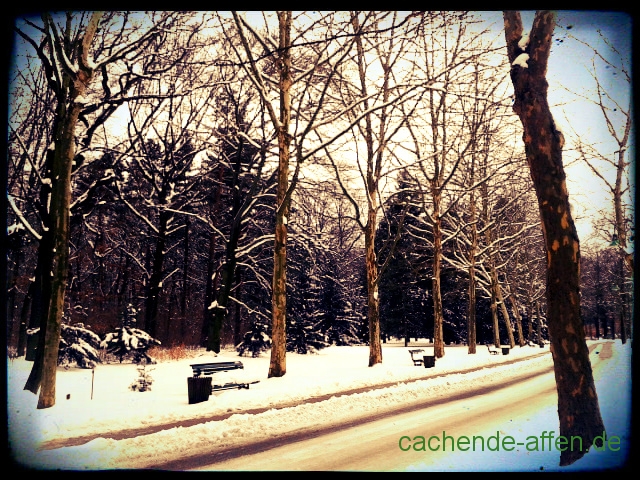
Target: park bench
492, 351
199, 389
428, 361
416, 361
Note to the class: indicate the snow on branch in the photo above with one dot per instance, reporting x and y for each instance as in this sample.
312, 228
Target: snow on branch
23, 220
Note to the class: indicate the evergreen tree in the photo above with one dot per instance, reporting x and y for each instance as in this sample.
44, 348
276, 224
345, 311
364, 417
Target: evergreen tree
255, 340
128, 342
79, 346
304, 315
403, 289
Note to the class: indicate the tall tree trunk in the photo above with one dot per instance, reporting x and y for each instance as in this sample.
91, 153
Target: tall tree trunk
278, 363
516, 313
60, 201
598, 294
373, 301
438, 338
471, 319
539, 325
505, 316
530, 322
185, 270
578, 408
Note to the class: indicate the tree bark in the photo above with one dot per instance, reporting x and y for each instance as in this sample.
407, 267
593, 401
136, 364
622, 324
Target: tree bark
373, 301
438, 318
578, 408
516, 313
278, 363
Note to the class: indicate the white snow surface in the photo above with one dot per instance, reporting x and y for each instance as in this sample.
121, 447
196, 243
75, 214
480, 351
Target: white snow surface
522, 60
105, 404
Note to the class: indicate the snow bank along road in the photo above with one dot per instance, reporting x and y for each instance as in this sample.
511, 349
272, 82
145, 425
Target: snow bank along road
370, 440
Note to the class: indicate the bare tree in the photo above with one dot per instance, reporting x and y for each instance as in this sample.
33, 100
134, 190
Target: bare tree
618, 118
299, 66
578, 409
72, 49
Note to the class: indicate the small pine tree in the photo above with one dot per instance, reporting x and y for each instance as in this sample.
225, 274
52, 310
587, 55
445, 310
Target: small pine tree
144, 380
255, 341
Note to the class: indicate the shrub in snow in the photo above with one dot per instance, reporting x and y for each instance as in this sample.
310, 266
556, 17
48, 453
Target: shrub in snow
144, 380
255, 341
127, 342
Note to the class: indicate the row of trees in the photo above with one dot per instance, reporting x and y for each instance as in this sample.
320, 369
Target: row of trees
329, 177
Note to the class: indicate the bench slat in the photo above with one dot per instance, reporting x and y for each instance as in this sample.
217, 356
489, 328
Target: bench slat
214, 367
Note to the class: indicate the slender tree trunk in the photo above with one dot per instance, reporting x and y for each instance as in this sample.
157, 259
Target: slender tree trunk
278, 363
505, 316
494, 315
471, 319
185, 270
578, 408
530, 322
598, 295
438, 318
516, 313
210, 290
373, 302
539, 325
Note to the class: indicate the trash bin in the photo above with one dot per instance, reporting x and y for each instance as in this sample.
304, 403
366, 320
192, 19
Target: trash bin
429, 361
505, 350
199, 389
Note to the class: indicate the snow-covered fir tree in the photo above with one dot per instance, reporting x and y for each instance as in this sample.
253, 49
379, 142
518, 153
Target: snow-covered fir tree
127, 342
78, 346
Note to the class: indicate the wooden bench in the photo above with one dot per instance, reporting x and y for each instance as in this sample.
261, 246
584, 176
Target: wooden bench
215, 367
492, 351
416, 361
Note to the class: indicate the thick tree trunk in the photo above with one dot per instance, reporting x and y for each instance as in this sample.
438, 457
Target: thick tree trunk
60, 201
278, 364
578, 408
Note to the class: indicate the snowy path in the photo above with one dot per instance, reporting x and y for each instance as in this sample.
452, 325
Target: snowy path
372, 441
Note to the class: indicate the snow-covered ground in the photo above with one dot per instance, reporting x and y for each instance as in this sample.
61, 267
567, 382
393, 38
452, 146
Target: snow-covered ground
101, 403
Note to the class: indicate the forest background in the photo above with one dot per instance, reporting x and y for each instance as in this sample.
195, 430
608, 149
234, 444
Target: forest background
408, 196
